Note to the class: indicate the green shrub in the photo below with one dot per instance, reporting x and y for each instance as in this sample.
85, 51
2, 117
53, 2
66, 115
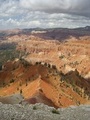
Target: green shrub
54, 67
55, 111
61, 57
21, 91
17, 88
12, 80
34, 108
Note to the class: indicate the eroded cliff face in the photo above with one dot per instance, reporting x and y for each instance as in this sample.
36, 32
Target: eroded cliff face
68, 55
43, 83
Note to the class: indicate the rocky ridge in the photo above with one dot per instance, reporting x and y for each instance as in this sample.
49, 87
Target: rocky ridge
44, 84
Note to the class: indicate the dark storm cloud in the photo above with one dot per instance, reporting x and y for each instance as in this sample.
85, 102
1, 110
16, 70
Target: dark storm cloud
79, 7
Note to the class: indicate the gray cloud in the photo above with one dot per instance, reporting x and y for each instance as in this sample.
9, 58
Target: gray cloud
44, 13
81, 7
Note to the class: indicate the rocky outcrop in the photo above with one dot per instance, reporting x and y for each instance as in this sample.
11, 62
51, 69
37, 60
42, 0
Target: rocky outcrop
12, 99
43, 112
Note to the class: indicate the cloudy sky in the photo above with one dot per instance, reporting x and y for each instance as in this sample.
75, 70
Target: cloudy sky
44, 13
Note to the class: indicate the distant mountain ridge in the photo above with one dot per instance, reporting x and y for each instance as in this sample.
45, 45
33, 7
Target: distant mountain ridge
51, 33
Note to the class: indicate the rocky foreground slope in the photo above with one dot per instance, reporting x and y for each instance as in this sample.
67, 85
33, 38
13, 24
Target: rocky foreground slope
43, 112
